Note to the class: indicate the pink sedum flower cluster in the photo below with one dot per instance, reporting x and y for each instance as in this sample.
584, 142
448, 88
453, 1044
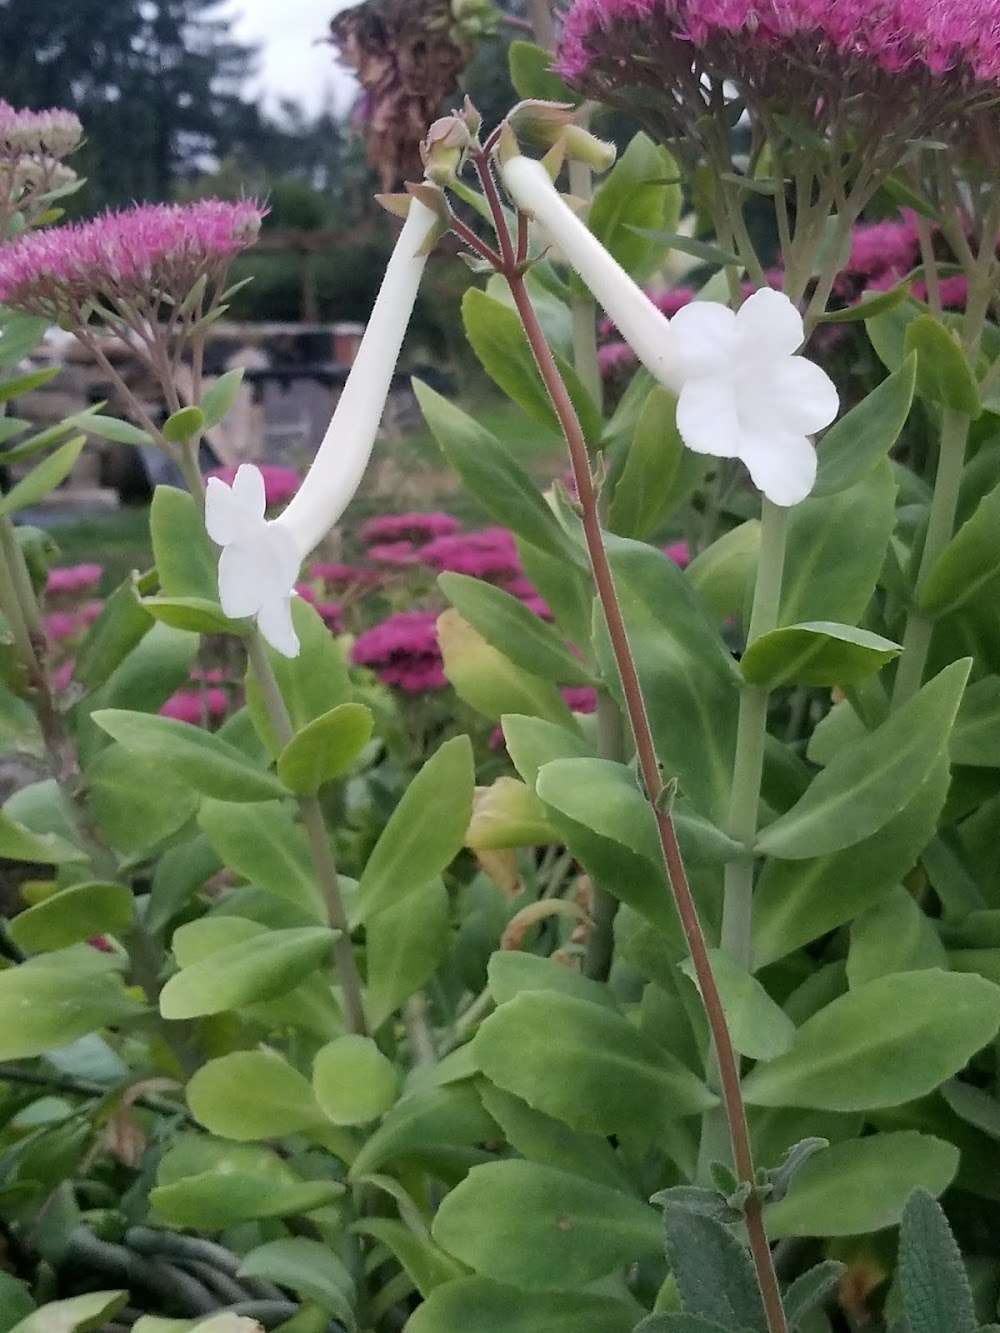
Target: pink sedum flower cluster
411, 527
940, 37
70, 579
128, 263
403, 651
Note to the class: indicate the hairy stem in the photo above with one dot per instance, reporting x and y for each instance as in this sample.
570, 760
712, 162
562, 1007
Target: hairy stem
635, 708
324, 864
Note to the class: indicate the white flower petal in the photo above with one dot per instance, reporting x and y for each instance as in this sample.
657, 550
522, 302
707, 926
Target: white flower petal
224, 516
284, 559
790, 396
707, 419
239, 580
769, 325
248, 487
704, 339
782, 466
274, 621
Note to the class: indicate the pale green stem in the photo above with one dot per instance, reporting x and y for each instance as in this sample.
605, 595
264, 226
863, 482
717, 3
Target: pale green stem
940, 524
601, 940
324, 864
748, 768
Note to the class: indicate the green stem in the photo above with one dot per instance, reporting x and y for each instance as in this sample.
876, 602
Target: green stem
601, 940
940, 525
748, 767
323, 860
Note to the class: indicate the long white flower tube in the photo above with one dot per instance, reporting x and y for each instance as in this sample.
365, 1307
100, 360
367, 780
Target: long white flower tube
743, 392
260, 558
638, 320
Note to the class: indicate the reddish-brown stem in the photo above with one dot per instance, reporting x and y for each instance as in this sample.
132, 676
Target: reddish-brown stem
476, 243
635, 708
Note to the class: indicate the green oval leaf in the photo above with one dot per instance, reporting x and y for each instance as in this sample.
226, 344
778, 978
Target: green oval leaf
79, 1314
820, 653
584, 1064
476, 1303
183, 424
634, 205
759, 1029
256, 969
73, 915
969, 564
45, 1005
252, 1095
890, 1041
353, 1081
543, 1229
219, 397
326, 748
861, 1185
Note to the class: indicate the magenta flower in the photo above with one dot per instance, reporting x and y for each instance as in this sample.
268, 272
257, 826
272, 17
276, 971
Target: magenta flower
62, 625
127, 265
580, 698
414, 527
679, 553
73, 578
399, 555
336, 575
615, 356
195, 706
280, 483
403, 651
488, 554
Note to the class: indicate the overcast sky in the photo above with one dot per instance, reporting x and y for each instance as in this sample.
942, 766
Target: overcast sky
291, 65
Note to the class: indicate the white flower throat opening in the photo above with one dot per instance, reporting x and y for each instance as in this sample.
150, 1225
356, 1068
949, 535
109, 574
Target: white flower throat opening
742, 390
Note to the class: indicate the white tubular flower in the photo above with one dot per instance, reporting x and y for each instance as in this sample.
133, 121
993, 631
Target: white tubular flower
260, 558
644, 327
743, 393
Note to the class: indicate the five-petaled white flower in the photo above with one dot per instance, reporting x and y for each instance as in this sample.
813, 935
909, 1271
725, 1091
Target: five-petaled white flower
260, 560
260, 557
745, 394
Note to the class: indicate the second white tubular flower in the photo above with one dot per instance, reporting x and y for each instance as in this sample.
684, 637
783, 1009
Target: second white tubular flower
743, 391
745, 394
260, 558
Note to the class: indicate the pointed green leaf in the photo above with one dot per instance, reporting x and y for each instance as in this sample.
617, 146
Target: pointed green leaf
404, 946
852, 447
19, 843
79, 1314
820, 653
633, 200
584, 1064
759, 1029
44, 478
186, 561
519, 1222
209, 764
944, 375
219, 397
872, 780
426, 830
73, 915
653, 465
256, 969
894, 935
713, 1270
310, 1269
889, 1041
450, 1117
968, 564
46, 1004
183, 424
488, 1307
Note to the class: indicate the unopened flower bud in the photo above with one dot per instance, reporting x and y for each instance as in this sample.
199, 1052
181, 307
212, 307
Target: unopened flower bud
582, 146
507, 814
471, 116
541, 122
443, 150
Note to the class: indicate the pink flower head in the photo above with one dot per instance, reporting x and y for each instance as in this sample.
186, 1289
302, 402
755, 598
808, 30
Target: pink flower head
403, 651
613, 357
400, 555
488, 554
129, 263
54, 133
830, 59
195, 706
336, 575
280, 483
580, 698
679, 553
414, 527
73, 578
62, 625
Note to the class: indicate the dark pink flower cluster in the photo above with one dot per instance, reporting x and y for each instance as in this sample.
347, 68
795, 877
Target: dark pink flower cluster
197, 706
941, 37
280, 483
129, 262
337, 575
330, 611
73, 578
60, 626
412, 527
397, 555
403, 651
489, 554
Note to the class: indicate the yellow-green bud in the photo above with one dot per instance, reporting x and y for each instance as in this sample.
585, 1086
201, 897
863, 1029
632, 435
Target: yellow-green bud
582, 146
443, 150
541, 122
